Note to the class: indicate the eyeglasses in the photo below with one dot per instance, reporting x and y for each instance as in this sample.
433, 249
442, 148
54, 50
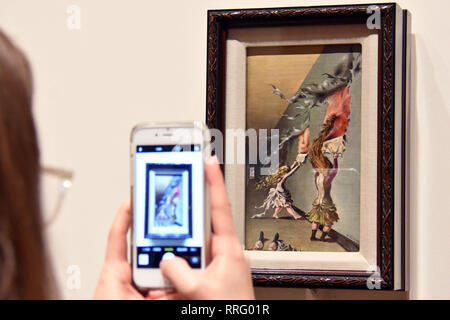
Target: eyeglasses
63, 183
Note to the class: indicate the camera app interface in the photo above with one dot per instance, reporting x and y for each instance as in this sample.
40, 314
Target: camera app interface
169, 204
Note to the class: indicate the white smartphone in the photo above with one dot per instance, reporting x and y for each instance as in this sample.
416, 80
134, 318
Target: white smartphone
169, 199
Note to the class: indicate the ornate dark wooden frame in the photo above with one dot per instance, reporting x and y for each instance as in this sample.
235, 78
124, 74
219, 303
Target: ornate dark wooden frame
219, 21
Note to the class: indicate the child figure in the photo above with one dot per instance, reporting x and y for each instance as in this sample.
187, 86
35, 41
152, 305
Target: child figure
279, 197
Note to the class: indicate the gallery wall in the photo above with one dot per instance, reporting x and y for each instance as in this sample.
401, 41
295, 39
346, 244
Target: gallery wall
146, 60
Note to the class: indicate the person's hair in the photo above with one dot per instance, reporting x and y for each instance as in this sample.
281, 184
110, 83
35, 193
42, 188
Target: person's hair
316, 156
23, 260
273, 179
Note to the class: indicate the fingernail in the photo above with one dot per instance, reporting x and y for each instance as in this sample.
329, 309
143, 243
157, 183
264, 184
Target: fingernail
213, 160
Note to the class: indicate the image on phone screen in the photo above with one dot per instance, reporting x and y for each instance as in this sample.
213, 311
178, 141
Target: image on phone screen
168, 204
168, 210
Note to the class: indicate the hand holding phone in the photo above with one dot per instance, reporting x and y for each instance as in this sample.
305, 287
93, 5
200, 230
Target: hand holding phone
227, 277
170, 218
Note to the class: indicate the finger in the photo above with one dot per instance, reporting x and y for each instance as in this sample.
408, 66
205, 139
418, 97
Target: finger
180, 274
156, 294
117, 238
167, 296
222, 219
172, 296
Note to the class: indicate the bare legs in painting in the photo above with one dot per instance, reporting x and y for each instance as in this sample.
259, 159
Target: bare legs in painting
289, 209
303, 146
279, 197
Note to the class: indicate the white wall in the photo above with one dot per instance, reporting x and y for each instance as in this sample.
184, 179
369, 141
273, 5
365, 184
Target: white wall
146, 60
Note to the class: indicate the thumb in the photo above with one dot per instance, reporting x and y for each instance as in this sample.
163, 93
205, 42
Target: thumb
180, 274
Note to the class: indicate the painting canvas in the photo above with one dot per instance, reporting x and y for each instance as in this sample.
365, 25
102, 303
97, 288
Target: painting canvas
310, 97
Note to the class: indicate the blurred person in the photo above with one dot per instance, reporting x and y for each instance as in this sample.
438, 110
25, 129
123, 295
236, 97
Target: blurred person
24, 267
25, 271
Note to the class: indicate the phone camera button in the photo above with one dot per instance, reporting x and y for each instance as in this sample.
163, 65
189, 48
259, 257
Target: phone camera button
168, 256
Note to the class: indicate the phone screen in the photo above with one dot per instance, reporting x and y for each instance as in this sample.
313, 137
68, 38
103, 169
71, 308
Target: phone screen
169, 204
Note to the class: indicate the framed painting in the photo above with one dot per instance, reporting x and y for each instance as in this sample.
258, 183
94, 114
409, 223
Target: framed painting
310, 105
